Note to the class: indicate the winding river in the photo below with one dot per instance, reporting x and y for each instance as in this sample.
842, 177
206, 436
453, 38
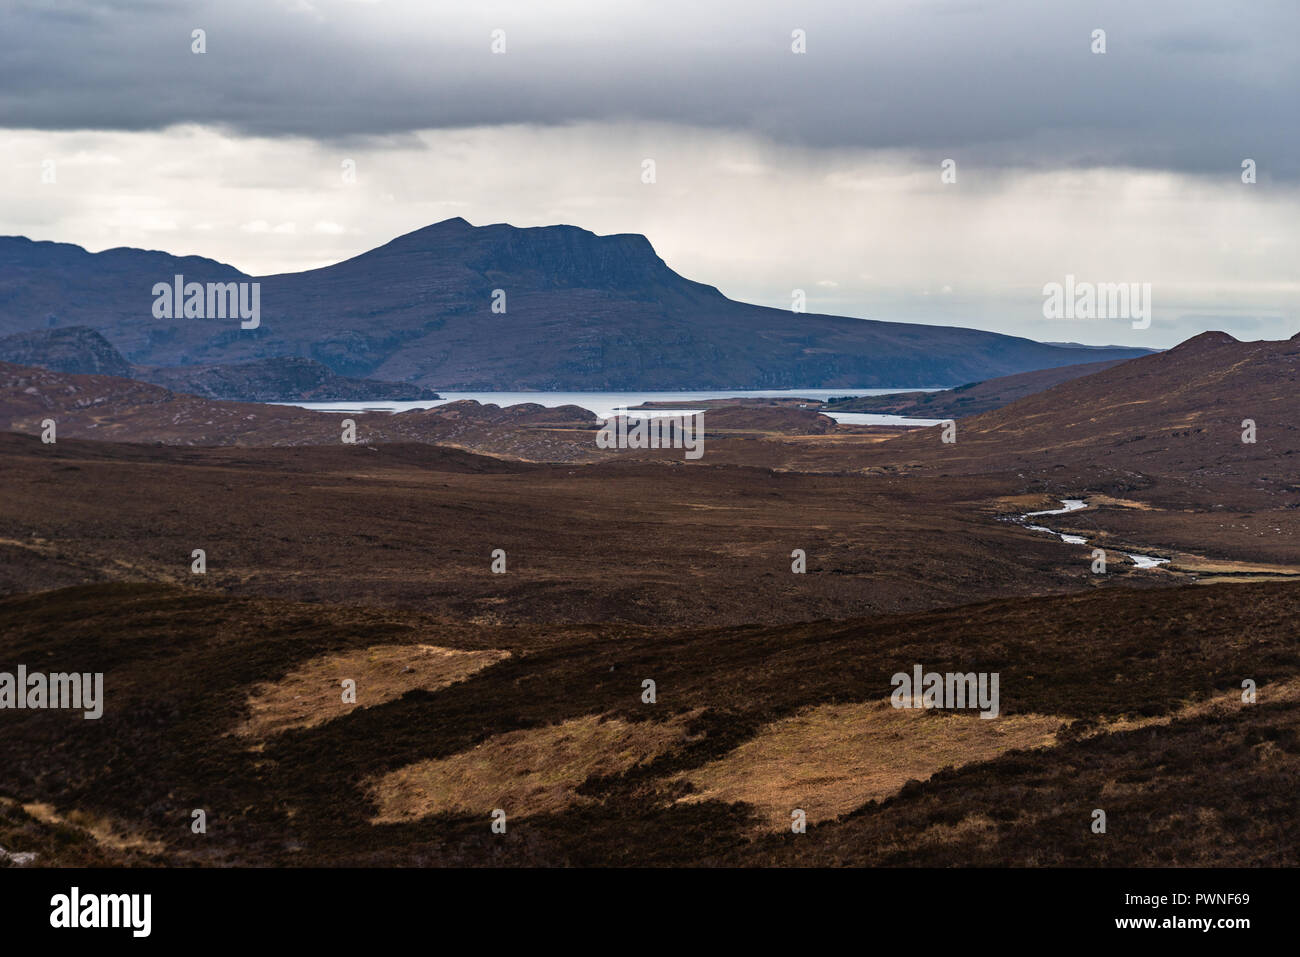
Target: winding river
1074, 505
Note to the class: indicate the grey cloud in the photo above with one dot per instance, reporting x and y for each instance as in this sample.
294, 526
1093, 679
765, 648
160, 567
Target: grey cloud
1193, 87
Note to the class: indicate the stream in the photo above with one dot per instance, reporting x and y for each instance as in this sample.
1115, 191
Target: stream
1074, 505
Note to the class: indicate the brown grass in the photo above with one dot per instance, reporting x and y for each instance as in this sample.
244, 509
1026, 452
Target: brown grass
1243, 571
833, 759
1222, 705
313, 694
1095, 500
106, 833
535, 771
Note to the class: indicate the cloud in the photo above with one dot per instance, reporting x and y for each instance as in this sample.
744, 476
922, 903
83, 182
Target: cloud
310, 132
899, 242
1185, 86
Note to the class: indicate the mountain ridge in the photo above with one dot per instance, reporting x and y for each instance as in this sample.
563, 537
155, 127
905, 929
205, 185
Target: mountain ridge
581, 312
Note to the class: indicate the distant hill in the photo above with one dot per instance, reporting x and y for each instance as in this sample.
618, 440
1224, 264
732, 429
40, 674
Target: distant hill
1178, 413
76, 349
82, 350
970, 399
582, 312
279, 379
113, 409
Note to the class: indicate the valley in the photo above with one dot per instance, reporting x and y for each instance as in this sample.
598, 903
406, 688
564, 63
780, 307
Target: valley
767, 592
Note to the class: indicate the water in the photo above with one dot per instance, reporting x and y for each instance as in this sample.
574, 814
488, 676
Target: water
1073, 505
1067, 505
603, 404
871, 418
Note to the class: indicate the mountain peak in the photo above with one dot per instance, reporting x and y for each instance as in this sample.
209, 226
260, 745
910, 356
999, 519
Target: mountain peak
1206, 340
453, 226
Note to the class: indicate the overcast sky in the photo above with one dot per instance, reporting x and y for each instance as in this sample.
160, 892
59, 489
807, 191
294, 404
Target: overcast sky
775, 171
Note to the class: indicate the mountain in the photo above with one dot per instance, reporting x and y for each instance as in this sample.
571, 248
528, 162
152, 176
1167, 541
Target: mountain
582, 312
82, 350
970, 399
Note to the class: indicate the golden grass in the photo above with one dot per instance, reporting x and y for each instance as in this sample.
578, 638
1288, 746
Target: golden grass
534, 771
1027, 503
312, 693
1096, 500
1227, 703
832, 759
104, 831
1263, 571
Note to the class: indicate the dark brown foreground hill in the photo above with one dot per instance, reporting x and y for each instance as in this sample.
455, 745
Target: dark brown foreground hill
1120, 700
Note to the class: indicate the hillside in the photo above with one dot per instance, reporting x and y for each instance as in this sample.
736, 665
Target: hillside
82, 350
970, 399
115, 409
77, 349
547, 722
1178, 412
1159, 441
281, 379
522, 690
583, 312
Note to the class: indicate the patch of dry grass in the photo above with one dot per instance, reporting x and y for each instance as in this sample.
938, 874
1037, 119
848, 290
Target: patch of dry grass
107, 833
1225, 704
1240, 571
534, 771
313, 693
832, 759
1097, 499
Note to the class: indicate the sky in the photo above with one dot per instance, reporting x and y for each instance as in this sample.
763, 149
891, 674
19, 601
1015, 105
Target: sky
308, 131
